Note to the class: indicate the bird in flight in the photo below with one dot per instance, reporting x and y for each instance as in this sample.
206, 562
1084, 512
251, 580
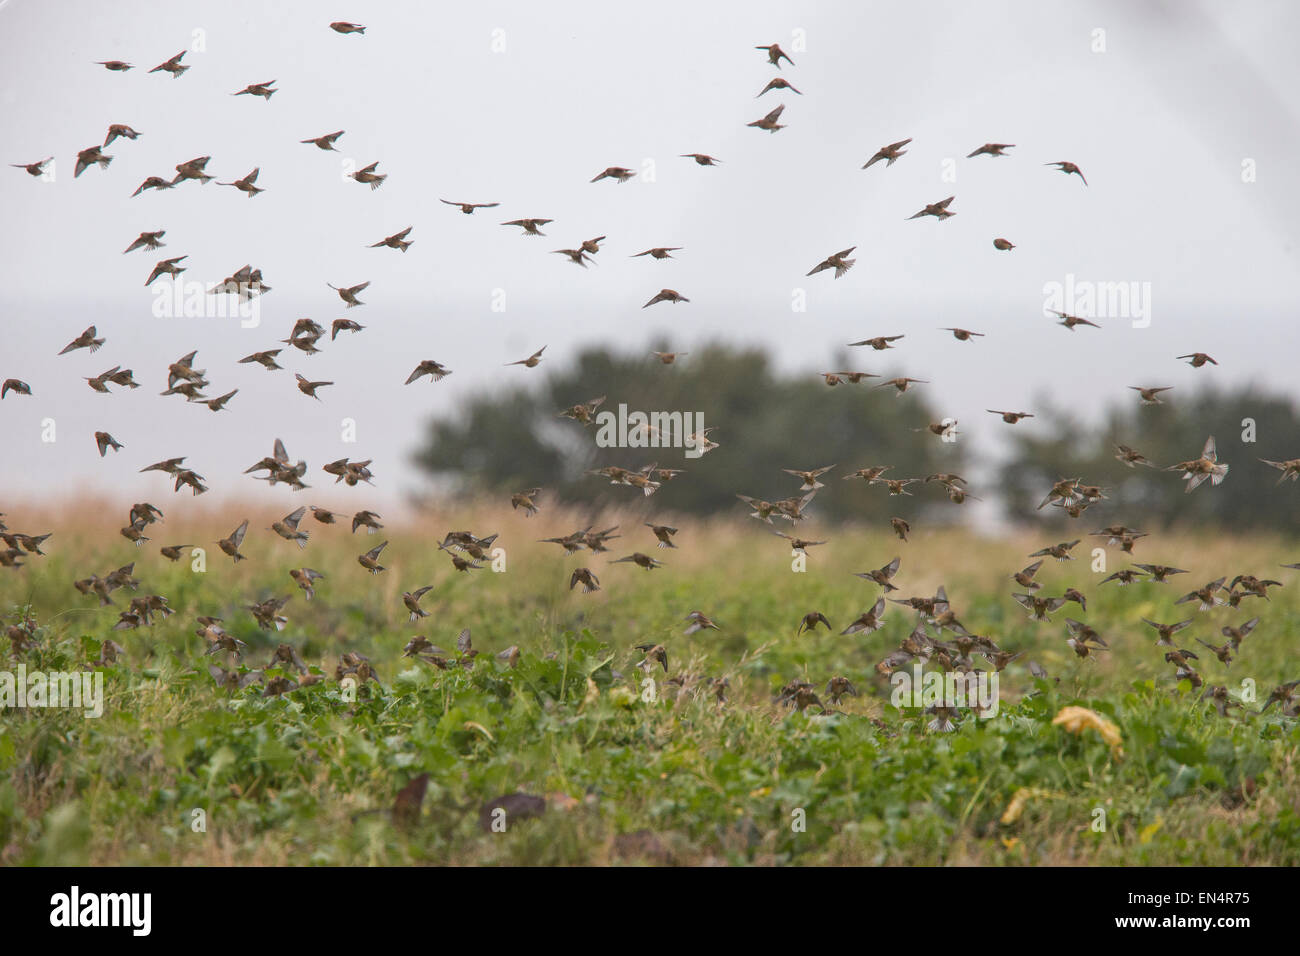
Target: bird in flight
1068, 168
769, 122
468, 207
888, 153
836, 261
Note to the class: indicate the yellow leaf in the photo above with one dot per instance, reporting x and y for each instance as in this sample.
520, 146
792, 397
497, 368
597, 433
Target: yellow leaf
1150, 830
1011, 842
1078, 719
760, 792
1020, 799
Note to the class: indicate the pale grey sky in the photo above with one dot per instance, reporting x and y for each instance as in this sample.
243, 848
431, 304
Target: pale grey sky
523, 103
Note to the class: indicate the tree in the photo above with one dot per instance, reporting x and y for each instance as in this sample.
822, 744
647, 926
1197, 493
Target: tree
1249, 498
763, 422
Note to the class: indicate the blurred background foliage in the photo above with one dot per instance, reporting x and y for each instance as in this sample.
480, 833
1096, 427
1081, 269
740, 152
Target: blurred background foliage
512, 439
1059, 445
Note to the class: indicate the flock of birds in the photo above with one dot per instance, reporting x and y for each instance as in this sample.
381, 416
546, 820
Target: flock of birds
939, 638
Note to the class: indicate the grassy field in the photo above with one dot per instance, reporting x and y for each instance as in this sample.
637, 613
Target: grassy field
310, 777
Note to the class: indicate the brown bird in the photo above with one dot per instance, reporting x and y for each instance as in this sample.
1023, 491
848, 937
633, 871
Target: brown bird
395, 241
368, 176
836, 261
963, 335
640, 560
412, 601
664, 533
287, 528
172, 552
704, 159
524, 499
1039, 607
193, 169
937, 209
1025, 576
583, 412
166, 267
620, 173
343, 27
654, 653
370, 560
1126, 576
263, 90
230, 545
105, 441
868, 621
306, 579
172, 66
668, 358
1061, 552
147, 240
586, 578
1150, 396
1206, 595
17, 386
265, 359
1196, 470
116, 66
309, 388
775, 55
882, 576
810, 621
888, 153
1167, 631
435, 370
666, 295
1004, 245
1070, 321
1236, 635
658, 252
769, 122
349, 295
901, 528
468, 207
1011, 418
1160, 572
1290, 468
902, 384
1068, 168
325, 142
576, 256
34, 169
800, 545
117, 130
1198, 359
91, 156
839, 687
699, 622
809, 478
869, 474
1130, 457
990, 149
245, 185
530, 226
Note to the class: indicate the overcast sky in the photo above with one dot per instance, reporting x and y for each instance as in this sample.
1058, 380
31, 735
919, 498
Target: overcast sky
523, 103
